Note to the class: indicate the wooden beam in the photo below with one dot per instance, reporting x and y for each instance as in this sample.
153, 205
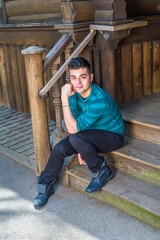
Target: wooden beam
55, 52
65, 65
119, 27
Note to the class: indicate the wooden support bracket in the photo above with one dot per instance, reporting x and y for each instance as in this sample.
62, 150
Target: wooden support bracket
113, 34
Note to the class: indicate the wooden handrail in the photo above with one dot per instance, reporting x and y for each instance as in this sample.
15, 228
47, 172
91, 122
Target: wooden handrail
78, 50
55, 52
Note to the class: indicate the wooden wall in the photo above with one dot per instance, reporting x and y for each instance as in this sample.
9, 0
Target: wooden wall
128, 73
13, 84
21, 11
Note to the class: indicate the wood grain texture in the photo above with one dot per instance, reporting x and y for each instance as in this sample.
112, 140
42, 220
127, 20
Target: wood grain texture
147, 68
137, 69
126, 58
156, 67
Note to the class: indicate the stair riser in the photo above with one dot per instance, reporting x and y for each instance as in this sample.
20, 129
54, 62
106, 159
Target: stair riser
134, 168
141, 132
118, 202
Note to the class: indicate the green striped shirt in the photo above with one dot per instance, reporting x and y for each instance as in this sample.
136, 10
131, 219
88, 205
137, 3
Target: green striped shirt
97, 111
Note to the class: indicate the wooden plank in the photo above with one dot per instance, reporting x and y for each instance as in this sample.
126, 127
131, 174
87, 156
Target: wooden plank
34, 18
126, 58
135, 197
118, 75
4, 94
147, 68
15, 77
119, 27
137, 69
22, 78
27, 7
108, 71
11, 90
97, 68
156, 67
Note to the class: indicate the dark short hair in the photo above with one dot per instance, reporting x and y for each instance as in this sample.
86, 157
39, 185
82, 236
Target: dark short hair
79, 62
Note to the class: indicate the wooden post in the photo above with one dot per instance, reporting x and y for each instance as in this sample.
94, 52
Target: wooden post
67, 53
57, 102
34, 72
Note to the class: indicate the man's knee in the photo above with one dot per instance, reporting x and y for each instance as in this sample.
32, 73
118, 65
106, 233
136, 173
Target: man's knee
76, 139
59, 147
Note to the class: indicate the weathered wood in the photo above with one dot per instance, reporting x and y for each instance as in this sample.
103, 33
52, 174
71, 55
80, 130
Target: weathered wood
142, 8
147, 68
10, 85
67, 53
23, 80
77, 11
126, 59
65, 65
15, 77
110, 10
57, 102
4, 88
34, 18
118, 76
120, 27
97, 68
58, 48
137, 70
136, 203
108, 71
33, 63
27, 7
156, 67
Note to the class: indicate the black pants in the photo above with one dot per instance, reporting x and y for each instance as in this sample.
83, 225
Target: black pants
88, 143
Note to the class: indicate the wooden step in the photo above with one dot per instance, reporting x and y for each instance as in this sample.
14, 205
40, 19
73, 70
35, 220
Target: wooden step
142, 118
138, 158
135, 197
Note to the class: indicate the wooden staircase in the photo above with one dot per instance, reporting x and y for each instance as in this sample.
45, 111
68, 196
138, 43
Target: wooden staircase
135, 189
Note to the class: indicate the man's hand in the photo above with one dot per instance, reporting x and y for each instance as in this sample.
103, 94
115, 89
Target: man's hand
81, 161
66, 92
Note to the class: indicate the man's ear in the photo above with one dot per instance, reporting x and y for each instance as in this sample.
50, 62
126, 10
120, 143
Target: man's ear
91, 77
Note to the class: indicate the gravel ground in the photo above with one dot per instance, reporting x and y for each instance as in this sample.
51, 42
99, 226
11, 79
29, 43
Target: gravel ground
68, 215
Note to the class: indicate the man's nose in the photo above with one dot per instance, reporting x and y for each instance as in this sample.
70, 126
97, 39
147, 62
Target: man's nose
78, 80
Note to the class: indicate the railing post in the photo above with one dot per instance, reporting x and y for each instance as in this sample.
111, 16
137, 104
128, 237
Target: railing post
57, 102
67, 53
34, 72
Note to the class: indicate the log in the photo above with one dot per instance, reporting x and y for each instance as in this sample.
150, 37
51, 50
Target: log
29, 7
34, 71
35, 18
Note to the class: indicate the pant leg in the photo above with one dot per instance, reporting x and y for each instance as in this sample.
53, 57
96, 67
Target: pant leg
91, 142
56, 160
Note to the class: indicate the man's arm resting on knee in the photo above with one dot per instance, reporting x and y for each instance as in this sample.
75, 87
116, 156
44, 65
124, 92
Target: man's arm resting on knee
70, 121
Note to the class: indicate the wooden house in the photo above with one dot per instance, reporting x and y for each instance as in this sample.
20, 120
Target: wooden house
121, 40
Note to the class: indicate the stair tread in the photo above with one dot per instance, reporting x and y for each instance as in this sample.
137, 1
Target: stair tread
140, 150
139, 192
144, 110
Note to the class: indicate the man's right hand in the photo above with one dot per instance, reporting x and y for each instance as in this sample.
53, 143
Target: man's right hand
81, 161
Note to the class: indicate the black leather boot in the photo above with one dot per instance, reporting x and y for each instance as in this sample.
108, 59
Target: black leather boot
105, 174
45, 191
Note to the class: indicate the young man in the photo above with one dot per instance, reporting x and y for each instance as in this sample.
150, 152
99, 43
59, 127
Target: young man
95, 125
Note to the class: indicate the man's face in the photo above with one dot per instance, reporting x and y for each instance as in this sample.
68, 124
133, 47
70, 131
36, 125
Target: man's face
81, 81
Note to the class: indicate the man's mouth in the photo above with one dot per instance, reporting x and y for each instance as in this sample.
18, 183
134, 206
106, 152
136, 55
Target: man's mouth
79, 87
